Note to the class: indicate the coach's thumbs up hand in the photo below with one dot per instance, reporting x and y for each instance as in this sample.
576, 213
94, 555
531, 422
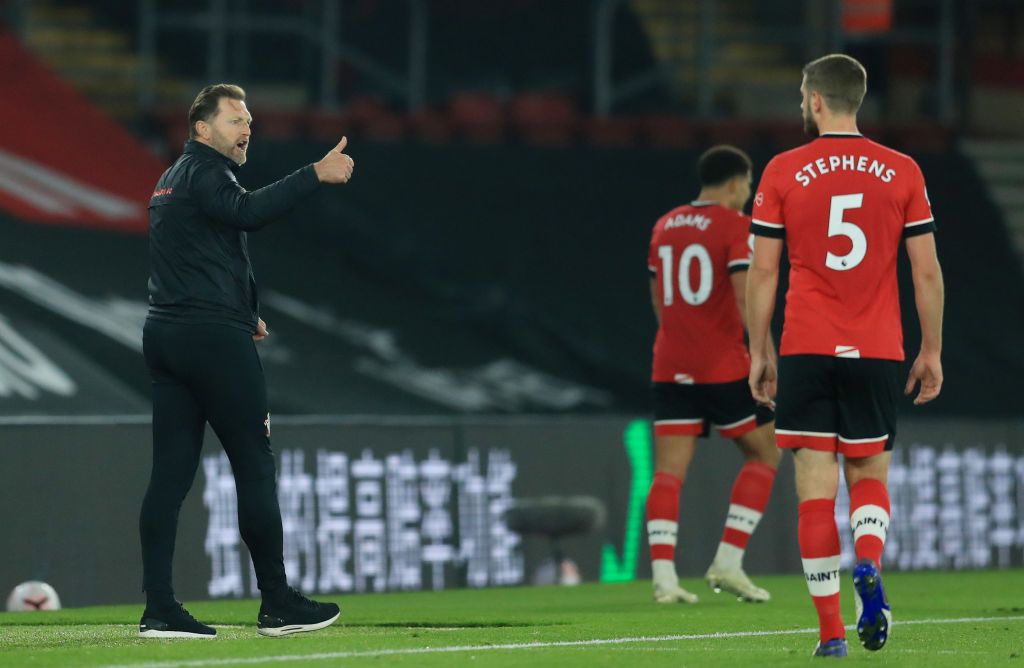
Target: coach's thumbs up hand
335, 167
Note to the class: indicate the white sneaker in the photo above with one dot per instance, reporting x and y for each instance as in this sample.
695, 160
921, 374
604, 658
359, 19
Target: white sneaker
735, 581
671, 592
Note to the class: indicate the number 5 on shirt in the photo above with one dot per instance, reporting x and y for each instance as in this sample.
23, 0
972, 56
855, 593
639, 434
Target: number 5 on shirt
839, 227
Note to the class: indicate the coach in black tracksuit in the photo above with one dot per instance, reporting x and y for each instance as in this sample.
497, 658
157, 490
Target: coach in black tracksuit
199, 345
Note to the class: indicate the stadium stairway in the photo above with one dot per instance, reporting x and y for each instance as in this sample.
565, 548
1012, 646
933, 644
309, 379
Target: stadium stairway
1001, 164
98, 60
742, 54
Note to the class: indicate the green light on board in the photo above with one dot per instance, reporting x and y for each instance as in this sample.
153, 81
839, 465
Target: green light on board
637, 441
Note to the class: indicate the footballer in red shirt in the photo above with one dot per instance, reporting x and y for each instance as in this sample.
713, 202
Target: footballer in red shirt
843, 204
698, 260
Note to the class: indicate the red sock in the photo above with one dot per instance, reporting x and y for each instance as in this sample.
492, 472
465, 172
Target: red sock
663, 515
819, 551
869, 519
749, 498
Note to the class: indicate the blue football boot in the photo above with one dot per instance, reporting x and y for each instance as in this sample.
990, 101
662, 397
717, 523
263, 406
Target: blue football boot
874, 618
833, 649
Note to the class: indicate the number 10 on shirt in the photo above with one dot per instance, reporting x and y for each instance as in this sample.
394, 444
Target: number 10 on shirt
686, 258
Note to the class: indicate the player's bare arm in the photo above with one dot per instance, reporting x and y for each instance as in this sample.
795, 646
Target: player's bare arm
762, 282
739, 288
929, 295
656, 299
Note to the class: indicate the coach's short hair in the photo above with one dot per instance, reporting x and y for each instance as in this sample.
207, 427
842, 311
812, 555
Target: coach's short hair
721, 163
838, 78
206, 103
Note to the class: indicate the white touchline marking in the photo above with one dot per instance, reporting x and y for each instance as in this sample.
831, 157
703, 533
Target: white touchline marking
285, 658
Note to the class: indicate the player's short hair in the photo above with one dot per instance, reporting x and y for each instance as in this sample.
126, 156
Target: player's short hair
840, 79
206, 103
721, 163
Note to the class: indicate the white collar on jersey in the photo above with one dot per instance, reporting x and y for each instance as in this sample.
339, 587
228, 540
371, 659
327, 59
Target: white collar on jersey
840, 134
703, 202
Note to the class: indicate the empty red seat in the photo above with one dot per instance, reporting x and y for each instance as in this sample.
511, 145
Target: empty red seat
667, 130
611, 131
545, 118
479, 116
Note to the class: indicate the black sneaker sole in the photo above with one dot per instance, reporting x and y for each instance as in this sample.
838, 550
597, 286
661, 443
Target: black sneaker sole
288, 629
153, 633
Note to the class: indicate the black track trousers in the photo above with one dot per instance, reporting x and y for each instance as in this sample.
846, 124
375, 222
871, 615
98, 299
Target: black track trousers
208, 373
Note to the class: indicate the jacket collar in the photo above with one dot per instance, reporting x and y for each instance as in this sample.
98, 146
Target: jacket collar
199, 148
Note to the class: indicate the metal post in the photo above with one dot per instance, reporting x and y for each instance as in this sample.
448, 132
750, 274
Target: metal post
240, 50
147, 54
817, 24
705, 60
329, 55
604, 13
945, 68
836, 43
217, 42
418, 25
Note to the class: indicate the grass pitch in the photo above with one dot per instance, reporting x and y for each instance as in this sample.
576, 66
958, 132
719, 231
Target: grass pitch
941, 619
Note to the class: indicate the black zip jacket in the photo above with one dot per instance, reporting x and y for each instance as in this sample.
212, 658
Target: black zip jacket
198, 219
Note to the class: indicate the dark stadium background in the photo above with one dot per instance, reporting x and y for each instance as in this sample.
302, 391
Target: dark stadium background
478, 290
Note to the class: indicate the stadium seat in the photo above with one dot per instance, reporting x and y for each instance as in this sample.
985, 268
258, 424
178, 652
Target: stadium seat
375, 119
280, 125
667, 130
549, 119
611, 131
328, 125
477, 116
782, 134
431, 126
737, 133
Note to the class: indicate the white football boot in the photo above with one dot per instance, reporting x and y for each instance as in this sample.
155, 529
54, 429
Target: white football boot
735, 581
666, 584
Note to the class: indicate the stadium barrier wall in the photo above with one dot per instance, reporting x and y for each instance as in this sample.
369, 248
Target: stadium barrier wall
451, 278
416, 503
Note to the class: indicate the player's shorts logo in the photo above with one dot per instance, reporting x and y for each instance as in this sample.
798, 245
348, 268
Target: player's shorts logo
266, 425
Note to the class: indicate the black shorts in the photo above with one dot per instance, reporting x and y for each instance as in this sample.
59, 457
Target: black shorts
837, 404
689, 410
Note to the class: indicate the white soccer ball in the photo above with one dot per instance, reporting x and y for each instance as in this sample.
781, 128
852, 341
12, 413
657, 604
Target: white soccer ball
33, 595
